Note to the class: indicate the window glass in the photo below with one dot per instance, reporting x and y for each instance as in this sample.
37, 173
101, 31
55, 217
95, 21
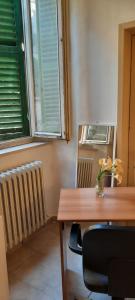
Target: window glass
96, 134
46, 59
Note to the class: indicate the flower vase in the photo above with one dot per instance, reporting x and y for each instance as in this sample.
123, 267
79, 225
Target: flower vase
100, 187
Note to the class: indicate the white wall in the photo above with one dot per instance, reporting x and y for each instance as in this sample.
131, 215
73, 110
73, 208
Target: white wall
95, 23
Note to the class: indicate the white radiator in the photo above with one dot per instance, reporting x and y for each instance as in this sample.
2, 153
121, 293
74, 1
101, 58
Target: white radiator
84, 172
22, 202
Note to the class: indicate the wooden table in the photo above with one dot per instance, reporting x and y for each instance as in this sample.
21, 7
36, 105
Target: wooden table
82, 205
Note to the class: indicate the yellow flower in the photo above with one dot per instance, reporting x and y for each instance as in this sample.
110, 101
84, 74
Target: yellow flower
117, 161
105, 164
119, 178
118, 168
101, 160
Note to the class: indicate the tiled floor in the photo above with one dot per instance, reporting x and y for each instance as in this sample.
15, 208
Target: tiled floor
34, 269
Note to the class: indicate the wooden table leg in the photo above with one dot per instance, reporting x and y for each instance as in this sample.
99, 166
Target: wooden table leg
63, 259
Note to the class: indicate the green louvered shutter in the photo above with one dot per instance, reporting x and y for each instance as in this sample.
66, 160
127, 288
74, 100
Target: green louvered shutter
13, 108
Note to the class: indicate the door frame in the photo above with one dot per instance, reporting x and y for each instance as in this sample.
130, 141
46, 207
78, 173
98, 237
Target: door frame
126, 31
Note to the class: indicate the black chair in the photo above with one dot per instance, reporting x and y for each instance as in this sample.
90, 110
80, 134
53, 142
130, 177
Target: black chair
108, 254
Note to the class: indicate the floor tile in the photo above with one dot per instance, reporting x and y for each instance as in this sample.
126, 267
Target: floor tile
15, 259
34, 269
25, 292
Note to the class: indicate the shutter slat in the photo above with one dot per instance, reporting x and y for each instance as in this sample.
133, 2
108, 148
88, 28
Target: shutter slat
10, 66
9, 103
5, 37
10, 114
8, 30
6, 5
7, 23
4, 128
8, 59
8, 85
6, 11
6, 111
7, 120
9, 20
13, 72
6, 26
7, 77
13, 90
10, 97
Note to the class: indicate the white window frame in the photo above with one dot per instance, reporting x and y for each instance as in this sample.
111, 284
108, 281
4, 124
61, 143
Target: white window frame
30, 75
85, 140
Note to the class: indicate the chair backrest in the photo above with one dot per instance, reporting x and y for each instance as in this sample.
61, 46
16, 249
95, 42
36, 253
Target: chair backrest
104, 243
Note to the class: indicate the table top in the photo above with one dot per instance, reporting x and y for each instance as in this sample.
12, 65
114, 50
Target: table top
82, 204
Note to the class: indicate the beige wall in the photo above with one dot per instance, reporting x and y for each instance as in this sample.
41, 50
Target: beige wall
94, 80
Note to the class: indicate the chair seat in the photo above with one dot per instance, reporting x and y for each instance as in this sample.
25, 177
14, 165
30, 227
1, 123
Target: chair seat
95, 281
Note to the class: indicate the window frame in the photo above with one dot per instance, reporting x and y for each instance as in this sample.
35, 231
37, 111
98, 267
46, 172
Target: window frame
64, 52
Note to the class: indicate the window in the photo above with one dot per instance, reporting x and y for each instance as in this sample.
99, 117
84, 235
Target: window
48, 59
96, 134
46, 69
13, 106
